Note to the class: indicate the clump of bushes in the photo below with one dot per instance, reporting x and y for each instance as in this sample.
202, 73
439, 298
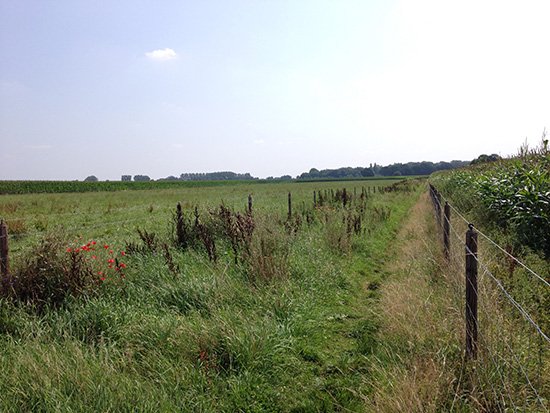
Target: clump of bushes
51, 272
58, 268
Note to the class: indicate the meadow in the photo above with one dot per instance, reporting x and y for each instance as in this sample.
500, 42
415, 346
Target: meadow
116, 302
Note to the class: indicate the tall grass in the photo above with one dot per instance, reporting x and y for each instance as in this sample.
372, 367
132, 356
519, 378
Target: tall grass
282, 320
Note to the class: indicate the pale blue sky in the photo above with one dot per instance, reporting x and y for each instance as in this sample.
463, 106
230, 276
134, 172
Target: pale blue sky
267, 87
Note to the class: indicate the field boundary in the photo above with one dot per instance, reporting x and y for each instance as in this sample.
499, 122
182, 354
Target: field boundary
505, 346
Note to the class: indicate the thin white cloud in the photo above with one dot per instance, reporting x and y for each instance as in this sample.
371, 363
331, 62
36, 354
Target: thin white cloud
162, 54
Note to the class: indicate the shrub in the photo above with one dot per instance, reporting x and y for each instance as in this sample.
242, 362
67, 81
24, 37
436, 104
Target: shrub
50, 273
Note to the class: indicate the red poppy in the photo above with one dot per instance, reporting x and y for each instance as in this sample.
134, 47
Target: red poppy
93, 242
111, 261
69, 249
123, 253
106, 247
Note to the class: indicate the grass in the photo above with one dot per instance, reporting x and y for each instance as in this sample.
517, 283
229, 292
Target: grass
293, 326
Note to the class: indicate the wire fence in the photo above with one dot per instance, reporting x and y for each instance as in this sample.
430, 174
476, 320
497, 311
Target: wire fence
510, 362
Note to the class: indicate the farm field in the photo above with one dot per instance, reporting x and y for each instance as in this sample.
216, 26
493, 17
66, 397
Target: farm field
235, 312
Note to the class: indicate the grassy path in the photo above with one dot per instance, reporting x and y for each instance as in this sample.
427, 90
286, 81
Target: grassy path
420, 367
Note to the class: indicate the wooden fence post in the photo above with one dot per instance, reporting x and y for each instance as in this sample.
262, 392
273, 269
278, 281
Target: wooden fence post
314, 198
447, 230
289, 205
438, 208
4, 250
471, 292
250, 204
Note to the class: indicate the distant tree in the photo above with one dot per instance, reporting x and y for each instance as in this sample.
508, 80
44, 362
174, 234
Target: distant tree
141, 178
126, 178
367, 172
91, 178
485, 158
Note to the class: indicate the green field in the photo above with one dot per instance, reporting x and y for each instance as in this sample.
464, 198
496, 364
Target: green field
283, 321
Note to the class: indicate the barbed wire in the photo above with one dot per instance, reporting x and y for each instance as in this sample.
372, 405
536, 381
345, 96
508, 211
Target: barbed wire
504, 340
436, 200
508, 297
511, 256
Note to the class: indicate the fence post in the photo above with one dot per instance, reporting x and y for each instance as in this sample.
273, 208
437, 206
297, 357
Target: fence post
289, 205
447, 230
471, 292
4, 250
314, 198
250, 204
438, 208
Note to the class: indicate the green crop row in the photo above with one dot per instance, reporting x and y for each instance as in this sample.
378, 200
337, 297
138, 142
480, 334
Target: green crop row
34, 187
515, 193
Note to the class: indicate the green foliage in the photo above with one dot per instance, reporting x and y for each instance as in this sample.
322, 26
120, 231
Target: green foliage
516, 193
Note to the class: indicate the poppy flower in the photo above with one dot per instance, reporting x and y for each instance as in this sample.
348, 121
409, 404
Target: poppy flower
69, 249
123, 253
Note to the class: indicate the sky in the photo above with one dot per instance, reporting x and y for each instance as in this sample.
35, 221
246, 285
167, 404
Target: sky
268, 87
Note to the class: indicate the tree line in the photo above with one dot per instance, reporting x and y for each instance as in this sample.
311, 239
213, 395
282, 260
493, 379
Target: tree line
396, 169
